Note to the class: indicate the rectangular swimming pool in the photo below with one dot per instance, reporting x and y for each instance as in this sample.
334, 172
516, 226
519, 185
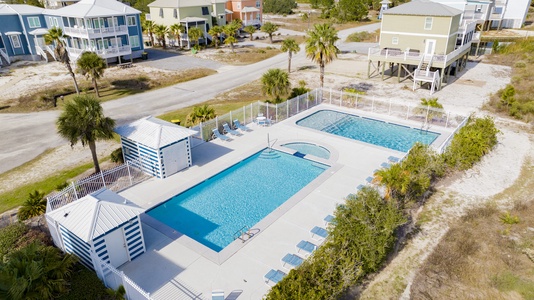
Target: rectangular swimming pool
380, 133
242, 195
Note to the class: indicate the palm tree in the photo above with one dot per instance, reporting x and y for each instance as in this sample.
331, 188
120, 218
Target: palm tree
161, 32
55, 35
216, 32
250, 30
34, 206
195, 34
117, 294
91, 66
290, 46
320, 46
148, 27
36, 272
200, 114
230, 30
394, 179
275, 83
269, 28
176, 30
83, 120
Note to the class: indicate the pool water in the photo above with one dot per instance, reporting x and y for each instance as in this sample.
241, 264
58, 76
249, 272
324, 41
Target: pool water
214, 210
392, 136
307, 148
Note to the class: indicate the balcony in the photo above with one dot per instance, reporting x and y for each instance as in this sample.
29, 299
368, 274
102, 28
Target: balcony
95, 32
254, 22
104, 53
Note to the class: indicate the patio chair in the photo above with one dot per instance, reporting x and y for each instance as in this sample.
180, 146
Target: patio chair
306, 247
230, 130
240, 126
318, 233
385, 165
360, 186
328, 219
220, 136
393, 159
369, 179
217, 295
292, 260
273, 276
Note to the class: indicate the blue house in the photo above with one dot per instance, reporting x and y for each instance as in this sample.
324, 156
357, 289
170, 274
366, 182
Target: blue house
21, 33
107, 27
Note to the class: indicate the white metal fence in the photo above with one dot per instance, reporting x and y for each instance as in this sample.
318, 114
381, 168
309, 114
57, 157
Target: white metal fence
116, 179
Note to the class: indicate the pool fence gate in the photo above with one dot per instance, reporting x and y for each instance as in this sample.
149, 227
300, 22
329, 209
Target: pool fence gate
427, 116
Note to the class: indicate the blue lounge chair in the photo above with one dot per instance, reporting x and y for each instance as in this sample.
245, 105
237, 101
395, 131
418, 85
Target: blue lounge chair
217, 295
306, 247
385, 165
369, 179
360, 186
393, 159
220, 136
292, 260
328, 219
318, 233
274, 276
230, 130
240, 126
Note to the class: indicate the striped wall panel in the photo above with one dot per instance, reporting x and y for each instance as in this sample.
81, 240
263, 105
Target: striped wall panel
99, 244
150, 159
134, 238
76, 246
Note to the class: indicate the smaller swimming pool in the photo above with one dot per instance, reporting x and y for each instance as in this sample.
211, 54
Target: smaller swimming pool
308, 148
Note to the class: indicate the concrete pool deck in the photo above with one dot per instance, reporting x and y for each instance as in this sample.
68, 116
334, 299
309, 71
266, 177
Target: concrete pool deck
177, 267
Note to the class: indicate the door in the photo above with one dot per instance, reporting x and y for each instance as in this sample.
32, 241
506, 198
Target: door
116, 246
175, 158
430, 47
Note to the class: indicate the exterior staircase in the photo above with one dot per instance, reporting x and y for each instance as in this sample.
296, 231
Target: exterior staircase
424, 74
4, 58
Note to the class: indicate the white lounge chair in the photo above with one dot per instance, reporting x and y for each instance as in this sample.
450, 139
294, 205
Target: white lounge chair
230, 130
220, 136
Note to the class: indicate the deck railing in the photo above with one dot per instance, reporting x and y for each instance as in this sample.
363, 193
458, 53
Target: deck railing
3, 53
121, 29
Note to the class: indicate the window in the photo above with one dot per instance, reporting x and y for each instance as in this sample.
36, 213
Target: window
161, 14
239, 5
15, 41
175, 13
34, 22
205, 11
258, 4
55, 23
395, 41
131, 21
134, 41
50, 21
428, 23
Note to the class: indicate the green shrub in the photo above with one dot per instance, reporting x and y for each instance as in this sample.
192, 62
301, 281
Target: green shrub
9, 237
359, 37
471, 143
85, 285
507, 218
62, 186
279, 6
116, 156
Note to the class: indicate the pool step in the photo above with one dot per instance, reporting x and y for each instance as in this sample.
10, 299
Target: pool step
269, 154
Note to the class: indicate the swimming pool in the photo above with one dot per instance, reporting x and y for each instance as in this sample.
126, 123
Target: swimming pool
212, 211
380, 133
308, 148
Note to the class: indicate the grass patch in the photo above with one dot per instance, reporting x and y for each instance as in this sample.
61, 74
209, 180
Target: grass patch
508, 282
363, 36
246, 56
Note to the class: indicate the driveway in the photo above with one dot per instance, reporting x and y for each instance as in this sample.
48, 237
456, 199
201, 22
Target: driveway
176, 61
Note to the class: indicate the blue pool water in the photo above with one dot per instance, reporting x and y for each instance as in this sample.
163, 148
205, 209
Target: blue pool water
212, 211
308, 148
396, 137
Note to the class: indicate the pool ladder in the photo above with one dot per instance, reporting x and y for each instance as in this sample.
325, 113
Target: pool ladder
242, 233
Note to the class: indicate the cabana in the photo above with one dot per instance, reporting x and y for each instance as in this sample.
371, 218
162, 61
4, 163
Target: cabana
159, 147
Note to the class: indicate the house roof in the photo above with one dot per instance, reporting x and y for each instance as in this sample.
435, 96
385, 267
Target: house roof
93, 8
95, 214
179, 3
19, 9
247, 9
153, 132
423, 8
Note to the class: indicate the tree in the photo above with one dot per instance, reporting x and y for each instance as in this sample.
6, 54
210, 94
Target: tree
91, 66
250, 30
118, 294
176, 31
275, 83
216, 32
83, 120
149, 27
320, 46
290, 46
35, 272
351, 10
161, 32
55, 35
34, 206
279, 6
269, 28
195, 34
230, 30
200, 114
394, 179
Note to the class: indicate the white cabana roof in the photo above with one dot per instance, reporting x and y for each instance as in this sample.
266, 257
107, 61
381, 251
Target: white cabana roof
93, 8
95, 214
248, 9
153, 132
39, 31
12, 33
192, 20
19, 9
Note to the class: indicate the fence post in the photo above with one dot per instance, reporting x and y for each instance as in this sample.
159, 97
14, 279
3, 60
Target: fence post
244, 115
447, 123
267, 110
330, 95
298, 101
251, 114
427, 110
231, 118
287, 108
217, 122
307, 99
129, 173
407, 112
103, 180
356, 101
201, 131
74, 189
316, 96
276, 113
340, 98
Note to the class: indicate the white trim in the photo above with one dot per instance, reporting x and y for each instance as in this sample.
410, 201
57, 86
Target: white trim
419, 34
15, 41
128, 20
35, 25
431, 23
134, 38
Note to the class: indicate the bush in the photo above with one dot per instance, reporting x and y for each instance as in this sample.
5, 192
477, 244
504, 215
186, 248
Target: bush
279, 6
9, 237
471, 143
116, 156
358, 37
85, 285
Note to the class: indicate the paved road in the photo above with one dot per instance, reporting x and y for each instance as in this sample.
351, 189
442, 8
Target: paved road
24, 136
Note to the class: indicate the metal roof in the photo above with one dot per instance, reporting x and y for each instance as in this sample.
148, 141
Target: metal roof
247, 9
93, 8
423, 8
153, 132
179, 3
95, 214
19, 9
